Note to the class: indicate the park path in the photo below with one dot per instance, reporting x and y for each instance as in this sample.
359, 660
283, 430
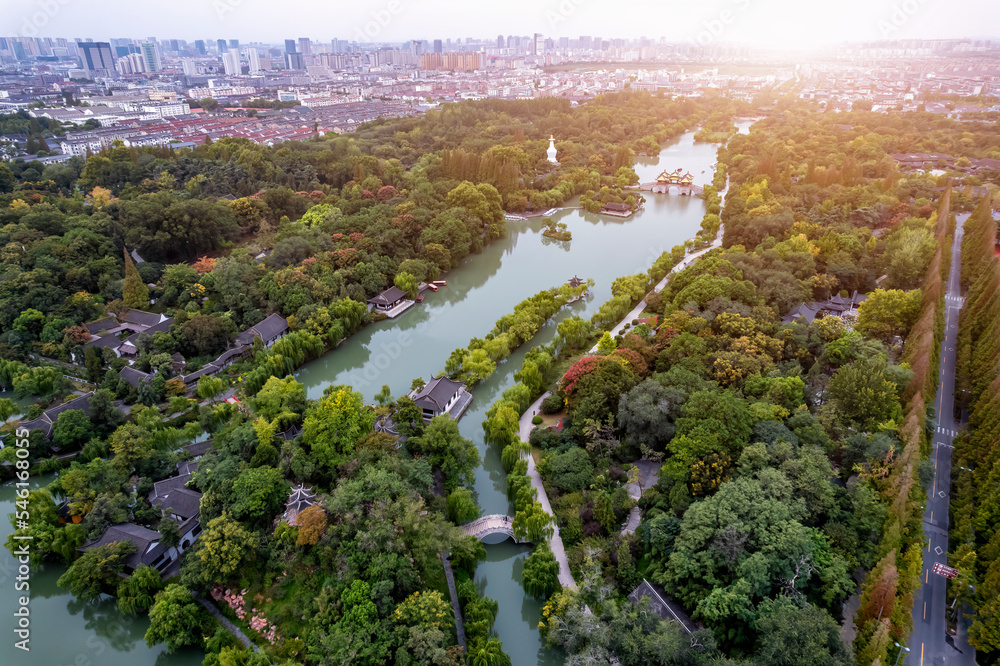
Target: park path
230, 627
450, 577
555, 541
684, 263
649, 474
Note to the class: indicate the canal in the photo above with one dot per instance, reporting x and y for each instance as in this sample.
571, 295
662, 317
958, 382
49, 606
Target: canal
480, 290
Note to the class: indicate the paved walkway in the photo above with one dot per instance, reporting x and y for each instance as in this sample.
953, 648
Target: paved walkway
684, 263
230, 627
649, 473
450, 577
555, 542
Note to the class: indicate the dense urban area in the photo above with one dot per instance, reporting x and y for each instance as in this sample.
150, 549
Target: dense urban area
774, 443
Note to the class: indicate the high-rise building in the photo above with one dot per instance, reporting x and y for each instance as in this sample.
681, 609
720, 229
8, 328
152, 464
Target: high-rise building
96, 58
231, 62
175, 45
500, 41
220, 44
19, 50
150, 56
253, 60
289, 46
537, 45
305, 46
187, 65
130, 64
234, 43
437, 46
200, 45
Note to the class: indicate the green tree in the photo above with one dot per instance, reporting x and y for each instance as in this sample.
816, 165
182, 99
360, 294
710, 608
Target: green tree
223, 548
137, 592
886, 313
789, 636
97, 570
541, 572
209, 387
336, 423
175, 619
258, 493
131, 444
281, 400
865, 395
462, 507
135, 293
72, 429
454, 455
408, 283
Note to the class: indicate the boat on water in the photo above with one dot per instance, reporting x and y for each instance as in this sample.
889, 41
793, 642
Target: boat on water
432, 286
439, 283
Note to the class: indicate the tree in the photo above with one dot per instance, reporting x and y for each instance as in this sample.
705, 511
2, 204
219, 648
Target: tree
312, 525
335, 424
7, 179
532, 523
865, 395
646, 413
175, 619
454, 455
136, 593
258, 493
571, 470
462, 507
789, 636
281, 400
104, 416
131, 445
97, 570
886, 313
71, 430
210, 386
408, 283
135, 293
223, 548
541, 572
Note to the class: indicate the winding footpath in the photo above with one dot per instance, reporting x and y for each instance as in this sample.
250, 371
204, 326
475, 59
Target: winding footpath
555, 541
684, 263
229, 626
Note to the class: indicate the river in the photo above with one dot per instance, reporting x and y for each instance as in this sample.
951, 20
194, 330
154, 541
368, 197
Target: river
481, 289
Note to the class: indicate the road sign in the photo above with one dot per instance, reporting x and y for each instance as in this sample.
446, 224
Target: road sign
944, 570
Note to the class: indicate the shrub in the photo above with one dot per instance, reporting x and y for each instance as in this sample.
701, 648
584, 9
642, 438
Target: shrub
552, 404
537, 420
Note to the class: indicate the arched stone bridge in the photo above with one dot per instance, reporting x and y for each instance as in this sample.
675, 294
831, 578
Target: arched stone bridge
496, 523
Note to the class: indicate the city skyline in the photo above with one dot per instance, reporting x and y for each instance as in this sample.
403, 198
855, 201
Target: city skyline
775, 23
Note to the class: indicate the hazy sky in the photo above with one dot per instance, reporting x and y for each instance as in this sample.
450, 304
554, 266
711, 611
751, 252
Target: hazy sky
789, 23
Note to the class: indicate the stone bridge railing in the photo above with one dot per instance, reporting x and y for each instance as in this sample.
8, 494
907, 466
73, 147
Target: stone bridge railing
493, 524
